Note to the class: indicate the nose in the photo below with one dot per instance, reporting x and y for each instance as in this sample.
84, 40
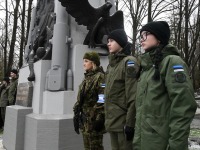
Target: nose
108, 43
142, 40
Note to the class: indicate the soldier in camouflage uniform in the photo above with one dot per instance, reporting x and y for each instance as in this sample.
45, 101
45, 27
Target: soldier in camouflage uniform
89, 108
120, 90
4, 88
13, 87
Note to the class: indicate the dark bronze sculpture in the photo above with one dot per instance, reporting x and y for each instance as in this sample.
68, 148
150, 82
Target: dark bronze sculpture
40, 45
98, 20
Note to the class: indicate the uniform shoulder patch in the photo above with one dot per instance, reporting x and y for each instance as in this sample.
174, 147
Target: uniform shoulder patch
178, 68
130, 63
131, 71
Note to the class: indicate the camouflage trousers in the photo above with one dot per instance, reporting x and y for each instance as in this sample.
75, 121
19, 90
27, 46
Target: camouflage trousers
93, 141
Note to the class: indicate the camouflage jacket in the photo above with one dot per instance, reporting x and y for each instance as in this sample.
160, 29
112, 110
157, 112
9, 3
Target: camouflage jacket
90, 90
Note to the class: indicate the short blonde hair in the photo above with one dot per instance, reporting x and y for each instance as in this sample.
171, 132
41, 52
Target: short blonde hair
94, 66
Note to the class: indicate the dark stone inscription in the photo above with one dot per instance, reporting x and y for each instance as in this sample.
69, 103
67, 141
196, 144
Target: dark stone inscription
24, 94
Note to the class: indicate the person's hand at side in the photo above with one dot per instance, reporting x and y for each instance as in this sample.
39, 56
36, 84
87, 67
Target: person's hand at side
129, 132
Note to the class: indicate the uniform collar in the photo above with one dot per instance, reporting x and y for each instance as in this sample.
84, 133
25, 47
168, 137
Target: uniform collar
115, 58
92, 72
147, 59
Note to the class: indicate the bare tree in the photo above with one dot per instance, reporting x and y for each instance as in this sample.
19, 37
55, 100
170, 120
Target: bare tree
149, 10
6, 38
22, 42
137, 11
134, 12
16, 26
28, 18
186, 33
186, 48
179, 23
13, 39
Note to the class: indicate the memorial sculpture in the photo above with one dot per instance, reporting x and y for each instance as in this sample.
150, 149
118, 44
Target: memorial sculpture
40, 46
98, 21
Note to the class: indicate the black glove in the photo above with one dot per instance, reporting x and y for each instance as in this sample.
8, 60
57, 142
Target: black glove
129, 132
76, 124
99, 123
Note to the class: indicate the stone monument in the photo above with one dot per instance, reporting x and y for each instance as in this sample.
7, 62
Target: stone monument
54, 54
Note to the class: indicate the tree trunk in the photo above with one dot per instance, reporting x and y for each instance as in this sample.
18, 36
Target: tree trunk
6, 39
149, 10
179, 24
22, 42
186, 33
28, 19
13, 40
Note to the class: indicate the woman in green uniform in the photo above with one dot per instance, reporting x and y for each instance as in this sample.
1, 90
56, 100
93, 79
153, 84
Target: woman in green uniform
165, 104
89, 108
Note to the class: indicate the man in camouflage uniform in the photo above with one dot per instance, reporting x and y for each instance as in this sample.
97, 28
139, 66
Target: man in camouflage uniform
13, 87
89, 108
120, 90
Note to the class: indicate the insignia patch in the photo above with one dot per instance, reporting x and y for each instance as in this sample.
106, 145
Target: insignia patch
178, 68
131, 73
180, 77
130, 63
101, 98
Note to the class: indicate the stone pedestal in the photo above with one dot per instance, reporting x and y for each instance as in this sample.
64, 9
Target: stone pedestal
46, 132
54, 132
13, 135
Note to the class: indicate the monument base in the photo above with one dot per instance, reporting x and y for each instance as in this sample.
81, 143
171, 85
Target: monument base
13, 135
46, 132
48, 125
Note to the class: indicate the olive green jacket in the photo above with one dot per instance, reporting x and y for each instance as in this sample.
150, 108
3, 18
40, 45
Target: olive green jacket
165, 107
4, 97
12, 91
120, 91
